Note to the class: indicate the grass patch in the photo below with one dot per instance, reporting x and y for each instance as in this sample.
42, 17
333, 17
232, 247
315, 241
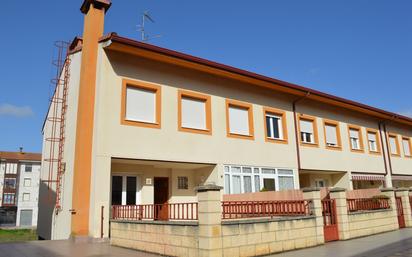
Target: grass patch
10, 235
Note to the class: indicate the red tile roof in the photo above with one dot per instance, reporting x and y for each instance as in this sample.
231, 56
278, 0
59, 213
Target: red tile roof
20, 156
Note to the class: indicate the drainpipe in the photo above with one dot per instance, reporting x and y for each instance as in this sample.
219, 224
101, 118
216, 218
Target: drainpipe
380, 124
387, 145
296, 128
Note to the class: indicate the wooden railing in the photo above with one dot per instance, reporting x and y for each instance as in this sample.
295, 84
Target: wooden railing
169, 211
248, 209
366, 204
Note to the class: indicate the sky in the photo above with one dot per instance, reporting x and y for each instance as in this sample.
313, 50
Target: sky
356, 49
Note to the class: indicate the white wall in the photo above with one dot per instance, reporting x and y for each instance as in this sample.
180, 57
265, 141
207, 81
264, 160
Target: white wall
33, 190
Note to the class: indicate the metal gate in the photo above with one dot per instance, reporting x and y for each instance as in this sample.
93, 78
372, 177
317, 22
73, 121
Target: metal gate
330, 223
399, 207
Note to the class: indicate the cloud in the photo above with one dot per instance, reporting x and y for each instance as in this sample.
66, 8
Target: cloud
15, 111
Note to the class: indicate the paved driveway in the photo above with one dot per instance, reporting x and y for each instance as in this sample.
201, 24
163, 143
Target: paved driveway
396, 243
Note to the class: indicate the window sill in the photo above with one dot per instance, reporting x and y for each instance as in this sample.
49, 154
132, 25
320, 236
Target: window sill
195, 130
395, 155
335, 148
357, 150
140, 123
276, 140
375, 152
233, 135
309, 144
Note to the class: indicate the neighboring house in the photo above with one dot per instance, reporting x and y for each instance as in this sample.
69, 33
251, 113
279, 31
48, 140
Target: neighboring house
145, 125
19, 188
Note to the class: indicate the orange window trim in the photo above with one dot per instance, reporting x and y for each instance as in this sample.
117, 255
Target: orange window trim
196, 96
378, 140
361, 143
410, 146
282, 114
243, 105
338, 136
398, 148
143, 85
312, 119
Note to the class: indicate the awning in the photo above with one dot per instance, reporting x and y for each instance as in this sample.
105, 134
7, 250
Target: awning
367, 177
405, 178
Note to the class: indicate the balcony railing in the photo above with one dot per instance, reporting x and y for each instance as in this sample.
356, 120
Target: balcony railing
169, 211
250, 209
368, 204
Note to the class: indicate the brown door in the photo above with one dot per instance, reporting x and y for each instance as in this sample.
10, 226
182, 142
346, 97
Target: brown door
161, 197
330, 223
399, 207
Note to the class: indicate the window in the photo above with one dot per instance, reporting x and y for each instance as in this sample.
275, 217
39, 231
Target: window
131, 183
332, 134
320, 183
125, 190
194, 112
182, 183
28, 168
26, 197
9, 198
141, 104
355, 138
11, 168
247, 179
10, 183
276, 129
308, 131
394, 145
239, 119
27, 182
373, 141
407, 147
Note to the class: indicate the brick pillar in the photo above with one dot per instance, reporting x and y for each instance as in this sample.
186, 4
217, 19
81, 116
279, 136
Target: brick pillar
313, 194
210, 220
389, 192
339, 194
404, 194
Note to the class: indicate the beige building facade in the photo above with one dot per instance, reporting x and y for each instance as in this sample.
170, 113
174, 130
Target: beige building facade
163, 123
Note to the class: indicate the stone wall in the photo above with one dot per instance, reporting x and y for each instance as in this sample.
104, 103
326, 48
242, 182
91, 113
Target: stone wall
367, 223
260, 237
166, 238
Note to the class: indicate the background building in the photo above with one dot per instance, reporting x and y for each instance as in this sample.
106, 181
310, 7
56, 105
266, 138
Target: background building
19, 188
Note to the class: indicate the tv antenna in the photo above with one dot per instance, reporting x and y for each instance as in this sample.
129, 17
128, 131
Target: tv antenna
144, 35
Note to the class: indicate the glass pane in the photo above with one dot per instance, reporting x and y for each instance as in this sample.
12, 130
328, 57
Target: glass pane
268, 171
131, 191
257, 183
247, 184
247, 170
285, 183
255, 170
227, 184
285, 172
116, 190
269, 184
236, 184
268, 125
235, 169
276, 122
227, 169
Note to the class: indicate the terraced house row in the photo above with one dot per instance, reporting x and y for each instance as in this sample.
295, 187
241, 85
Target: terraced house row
135, 125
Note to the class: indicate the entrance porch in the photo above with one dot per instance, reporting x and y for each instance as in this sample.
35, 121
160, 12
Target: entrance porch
316, 178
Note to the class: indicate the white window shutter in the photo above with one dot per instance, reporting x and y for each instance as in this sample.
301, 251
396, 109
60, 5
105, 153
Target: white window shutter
238, 120
193, 113
306, 126
140, 105
372, 137
331, 134
354, 133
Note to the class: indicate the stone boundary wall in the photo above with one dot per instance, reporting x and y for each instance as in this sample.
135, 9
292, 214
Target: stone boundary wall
166, 238
367, 223
260, 237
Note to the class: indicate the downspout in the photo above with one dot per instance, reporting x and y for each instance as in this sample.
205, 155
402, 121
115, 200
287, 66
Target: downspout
387, 145
383, 147
296, 128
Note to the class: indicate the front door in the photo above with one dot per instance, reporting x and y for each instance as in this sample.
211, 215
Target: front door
399, 207
161, 197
